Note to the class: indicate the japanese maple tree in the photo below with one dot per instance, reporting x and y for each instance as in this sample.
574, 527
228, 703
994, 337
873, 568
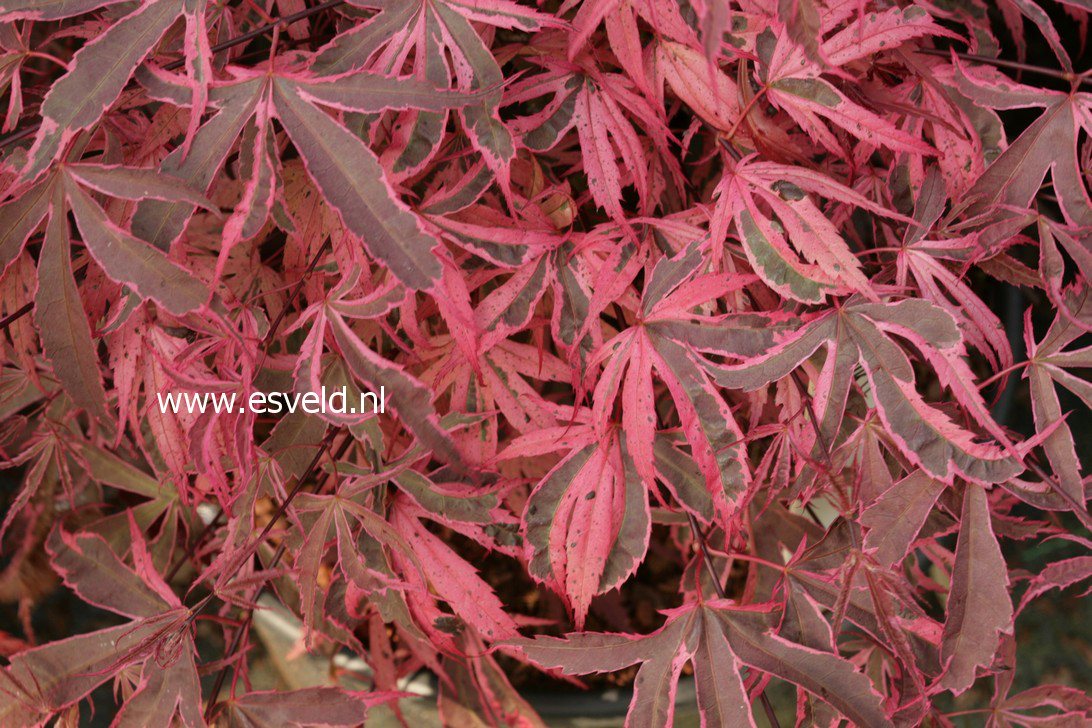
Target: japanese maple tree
790, 295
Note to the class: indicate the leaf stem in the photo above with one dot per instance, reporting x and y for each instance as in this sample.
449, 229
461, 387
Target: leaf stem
191, 549
803, 390
1004, 372
704, 547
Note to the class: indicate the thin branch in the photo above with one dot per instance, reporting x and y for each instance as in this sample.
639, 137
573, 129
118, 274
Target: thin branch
722, 594
311, 467
803, 390
1002, 63
268, 339
16, 315
704, 547
236, 639
29, 305
191, 549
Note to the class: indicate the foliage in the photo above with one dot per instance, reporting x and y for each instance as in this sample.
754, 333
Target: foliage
707, 279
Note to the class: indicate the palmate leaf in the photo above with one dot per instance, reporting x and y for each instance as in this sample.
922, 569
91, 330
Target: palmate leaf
664, 341
1049, 144
103, 67
44, 680
859, 333
795, 84
341, 164
438, 31
59, 311
1048, 366
330, 517
717, 638
506, 381
161, 223
602, 108
96, 78
587, 522
429, 569
831, 265
829, 571
23, 213
929, 261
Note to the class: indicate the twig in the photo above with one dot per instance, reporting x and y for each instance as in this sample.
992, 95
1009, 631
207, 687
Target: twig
236, 639
283, 507
16, 315
191, 549
1002, 63
722, 594
268, 339
811, 414
29, 306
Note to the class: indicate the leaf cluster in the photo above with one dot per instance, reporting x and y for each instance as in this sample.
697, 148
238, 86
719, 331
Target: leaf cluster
773, 291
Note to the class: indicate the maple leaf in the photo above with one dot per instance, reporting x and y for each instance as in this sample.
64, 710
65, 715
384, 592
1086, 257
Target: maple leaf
587, 522
717, 638
100, 70
343, 167
1048, 366
832, 267
796, 85
44, 680
1047, 145
602, 108
860, 333
663, 341
438, 31
58, 308
924, 259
